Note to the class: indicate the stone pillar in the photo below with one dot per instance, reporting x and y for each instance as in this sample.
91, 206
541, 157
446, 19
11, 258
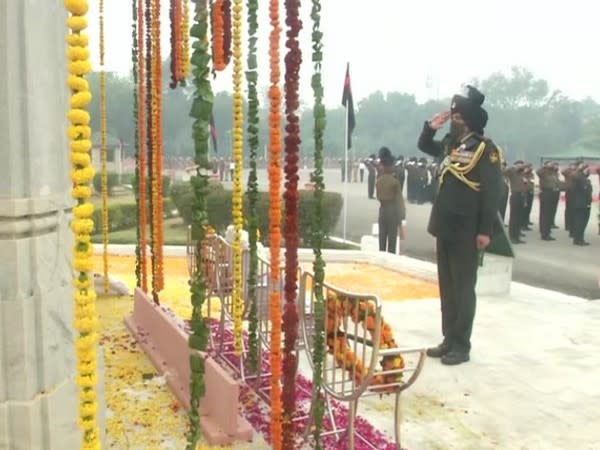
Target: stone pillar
38, 394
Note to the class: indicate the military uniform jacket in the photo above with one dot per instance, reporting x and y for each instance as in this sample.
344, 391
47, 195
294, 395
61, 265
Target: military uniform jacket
548, 179
582, 191
389, 193
470, 186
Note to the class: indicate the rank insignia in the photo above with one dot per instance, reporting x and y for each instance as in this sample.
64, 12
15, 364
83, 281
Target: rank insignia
494, 157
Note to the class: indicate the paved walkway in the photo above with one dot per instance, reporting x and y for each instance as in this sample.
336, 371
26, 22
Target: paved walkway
532, 382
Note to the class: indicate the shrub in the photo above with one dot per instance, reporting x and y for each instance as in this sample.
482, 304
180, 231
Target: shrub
123, 216
113, 180
219, 209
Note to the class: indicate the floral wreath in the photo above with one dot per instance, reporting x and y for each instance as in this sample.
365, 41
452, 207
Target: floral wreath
363, 312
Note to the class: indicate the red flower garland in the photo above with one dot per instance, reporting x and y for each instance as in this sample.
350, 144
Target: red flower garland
226, 11
293, 60
217, 36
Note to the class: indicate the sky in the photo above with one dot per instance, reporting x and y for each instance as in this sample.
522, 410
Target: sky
398, 45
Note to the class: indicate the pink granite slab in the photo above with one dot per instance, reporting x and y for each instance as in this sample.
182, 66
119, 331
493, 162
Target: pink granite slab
166, 344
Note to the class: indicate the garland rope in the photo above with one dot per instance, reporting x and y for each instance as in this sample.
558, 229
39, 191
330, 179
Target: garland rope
201, 113
103, 154
293, 61
136, 139
141, 164
275, 223
253, 144
218, 31
238, 158
150, 142
185, 41
320, 121
80, 133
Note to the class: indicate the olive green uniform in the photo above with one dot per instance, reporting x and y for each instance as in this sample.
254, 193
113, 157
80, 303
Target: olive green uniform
466, 206
391, 210
549, 197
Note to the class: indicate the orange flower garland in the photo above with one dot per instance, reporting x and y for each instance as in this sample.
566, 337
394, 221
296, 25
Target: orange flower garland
218, 35
143, 186
185, 41
361, 311
157, 166
275, 224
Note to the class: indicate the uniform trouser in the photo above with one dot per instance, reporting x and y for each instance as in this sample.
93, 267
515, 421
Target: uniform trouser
515, 221
388, 228
371, 185
457, 263
568, 212
529, 195
503, 204
361, 172
547, 208
579, 220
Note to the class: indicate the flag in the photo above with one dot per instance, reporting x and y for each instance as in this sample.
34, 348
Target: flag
213, 133
348, 103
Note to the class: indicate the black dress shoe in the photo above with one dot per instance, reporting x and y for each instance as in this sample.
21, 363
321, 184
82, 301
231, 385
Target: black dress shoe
528, 228
517, 241
548, 238
439, 351
581, 243
455, 358
554, 227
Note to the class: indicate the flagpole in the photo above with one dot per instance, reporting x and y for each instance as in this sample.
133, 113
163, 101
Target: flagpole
346, 172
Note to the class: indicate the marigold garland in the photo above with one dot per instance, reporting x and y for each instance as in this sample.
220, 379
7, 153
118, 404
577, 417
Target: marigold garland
275, 223
253, 144
201, 112
157, 158
185, 40
103, 155
293, 60
218, 32
363, 312
84, 296
319, 119
238, 158
141, 164
150, 134
227, 29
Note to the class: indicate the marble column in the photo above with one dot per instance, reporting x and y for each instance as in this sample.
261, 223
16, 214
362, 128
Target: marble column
38, 393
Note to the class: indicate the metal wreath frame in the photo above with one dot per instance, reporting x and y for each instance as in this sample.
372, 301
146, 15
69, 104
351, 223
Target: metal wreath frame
347, 389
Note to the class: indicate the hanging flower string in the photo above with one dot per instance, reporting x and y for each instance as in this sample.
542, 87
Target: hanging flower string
141, 164
293, 61
185, 41
103, 154
201, 113
238, 158
275, 224
156, 179
136, 139
319, 118
253, 144
175, 13
218, 36
150, 137
80, 134
227, 29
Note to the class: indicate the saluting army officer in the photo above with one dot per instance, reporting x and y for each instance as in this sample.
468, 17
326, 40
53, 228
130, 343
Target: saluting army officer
464, 215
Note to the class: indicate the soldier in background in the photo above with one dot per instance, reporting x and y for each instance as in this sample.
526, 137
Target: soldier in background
343, 167
400, 171
518, 190
392, 209
422, 177
529, 196
361, 170
505, 192
411, 177
549, 195
568, 173
221, 169
581, 203
371, 164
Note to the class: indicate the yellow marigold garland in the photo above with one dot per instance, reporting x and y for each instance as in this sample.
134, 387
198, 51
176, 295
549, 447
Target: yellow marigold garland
185, 41
238, 146
103, 154
82, 226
